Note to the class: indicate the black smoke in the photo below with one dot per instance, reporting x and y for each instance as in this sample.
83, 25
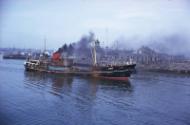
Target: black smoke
172, 44
175, 44
83, 46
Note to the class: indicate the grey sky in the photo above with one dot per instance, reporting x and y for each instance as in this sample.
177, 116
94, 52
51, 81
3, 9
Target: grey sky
24, 23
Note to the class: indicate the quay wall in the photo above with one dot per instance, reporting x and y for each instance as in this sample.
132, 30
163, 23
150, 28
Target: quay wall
182, 68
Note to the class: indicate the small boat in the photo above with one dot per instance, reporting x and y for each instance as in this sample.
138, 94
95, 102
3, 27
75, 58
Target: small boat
68, 66
15, 56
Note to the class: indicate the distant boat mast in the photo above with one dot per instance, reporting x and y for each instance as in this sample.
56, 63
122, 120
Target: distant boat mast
44, 44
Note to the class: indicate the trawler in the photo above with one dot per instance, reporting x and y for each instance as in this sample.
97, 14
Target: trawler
68, 66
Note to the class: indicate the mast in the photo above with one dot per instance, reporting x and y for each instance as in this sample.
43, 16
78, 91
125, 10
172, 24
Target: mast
95, 60
45, 44
93, 52
92, 55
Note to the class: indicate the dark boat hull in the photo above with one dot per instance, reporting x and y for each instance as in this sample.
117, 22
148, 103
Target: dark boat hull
19, 57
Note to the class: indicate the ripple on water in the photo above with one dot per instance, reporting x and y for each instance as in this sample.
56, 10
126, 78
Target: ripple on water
37, 98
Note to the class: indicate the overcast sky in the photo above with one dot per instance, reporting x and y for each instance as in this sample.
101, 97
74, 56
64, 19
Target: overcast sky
25, 23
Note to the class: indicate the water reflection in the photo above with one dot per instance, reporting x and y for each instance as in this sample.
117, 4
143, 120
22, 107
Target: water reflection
60, 84
55, 84
47, 99
85, 85
79, 97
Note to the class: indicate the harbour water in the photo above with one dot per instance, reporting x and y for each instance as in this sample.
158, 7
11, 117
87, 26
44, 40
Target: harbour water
28, 98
